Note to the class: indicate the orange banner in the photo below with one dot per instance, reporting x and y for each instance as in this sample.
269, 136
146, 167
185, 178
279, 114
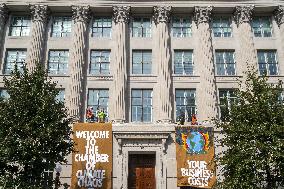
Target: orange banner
194, 155
92, 160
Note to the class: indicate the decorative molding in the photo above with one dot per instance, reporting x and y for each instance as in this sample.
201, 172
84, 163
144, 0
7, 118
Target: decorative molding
202, 14
121, 14
3, 11
243, 14
164, 143
81, 13
119, 141
142, 135
279, 15
39, 12
162, 14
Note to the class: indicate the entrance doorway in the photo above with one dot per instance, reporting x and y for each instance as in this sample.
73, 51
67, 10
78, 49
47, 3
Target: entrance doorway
141, 171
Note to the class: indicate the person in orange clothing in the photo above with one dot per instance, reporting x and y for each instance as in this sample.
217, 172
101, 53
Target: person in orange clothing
193, 120
90, 114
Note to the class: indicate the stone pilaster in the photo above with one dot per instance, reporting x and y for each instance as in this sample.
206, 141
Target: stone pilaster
279, 18
206, 90
243, 17
119, 65
3, 18
78, 62
39, 19
163, 88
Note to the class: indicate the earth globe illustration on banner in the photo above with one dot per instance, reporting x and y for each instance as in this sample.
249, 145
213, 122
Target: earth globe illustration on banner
195, 142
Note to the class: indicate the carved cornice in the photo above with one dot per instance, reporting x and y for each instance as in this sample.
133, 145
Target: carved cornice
202, 14
243, 14
3, 11
279, 15
162, 14
39, 12
80, 13
121, 14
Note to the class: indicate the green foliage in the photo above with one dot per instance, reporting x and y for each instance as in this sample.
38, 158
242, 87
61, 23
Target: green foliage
34, 130
254, 136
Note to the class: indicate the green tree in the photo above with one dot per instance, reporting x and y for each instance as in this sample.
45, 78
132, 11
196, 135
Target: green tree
34, 130
254, 137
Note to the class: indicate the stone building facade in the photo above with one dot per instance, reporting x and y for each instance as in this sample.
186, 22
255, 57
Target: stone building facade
144, 62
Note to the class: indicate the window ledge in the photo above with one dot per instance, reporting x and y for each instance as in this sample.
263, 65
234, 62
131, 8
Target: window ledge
19, 37
58, 75
142, 75
178, 75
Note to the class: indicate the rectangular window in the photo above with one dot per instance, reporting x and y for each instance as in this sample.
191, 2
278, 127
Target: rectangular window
221, 27
185, 103
100, 61
141, 62
14, 57
183, 62
20, 26
181, 27
226, 97
141, 105
4, 94
61, 26
281, 98
262, 27
141, 27
98, 100
61, 95
225, 62
267, 62
58, 61
101, 27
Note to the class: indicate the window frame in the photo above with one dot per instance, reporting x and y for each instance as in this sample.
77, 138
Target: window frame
11, 26
260, 27
20, 64
183, 51
99, 97
62, 32
266, 63
143, 70
181, 27
231, 98
225, 62
185, 104
142, 105
141, 28
100, 63
58, 63
221, 19
102, 27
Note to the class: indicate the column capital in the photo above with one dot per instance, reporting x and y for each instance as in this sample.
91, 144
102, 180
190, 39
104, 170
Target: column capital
202, 14
80, 13
279, 15
3, 11
121, 14
243, 14
39, 12
162, 14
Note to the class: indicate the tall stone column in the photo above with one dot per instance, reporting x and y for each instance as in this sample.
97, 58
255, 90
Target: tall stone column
206, 92
119, 66
246, 53
3, 17
163, 89
36, 51
78, 62
279, 18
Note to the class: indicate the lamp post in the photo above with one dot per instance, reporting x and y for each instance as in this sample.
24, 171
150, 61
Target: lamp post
58, 170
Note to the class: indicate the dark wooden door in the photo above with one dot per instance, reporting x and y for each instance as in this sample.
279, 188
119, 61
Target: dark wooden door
141, 171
